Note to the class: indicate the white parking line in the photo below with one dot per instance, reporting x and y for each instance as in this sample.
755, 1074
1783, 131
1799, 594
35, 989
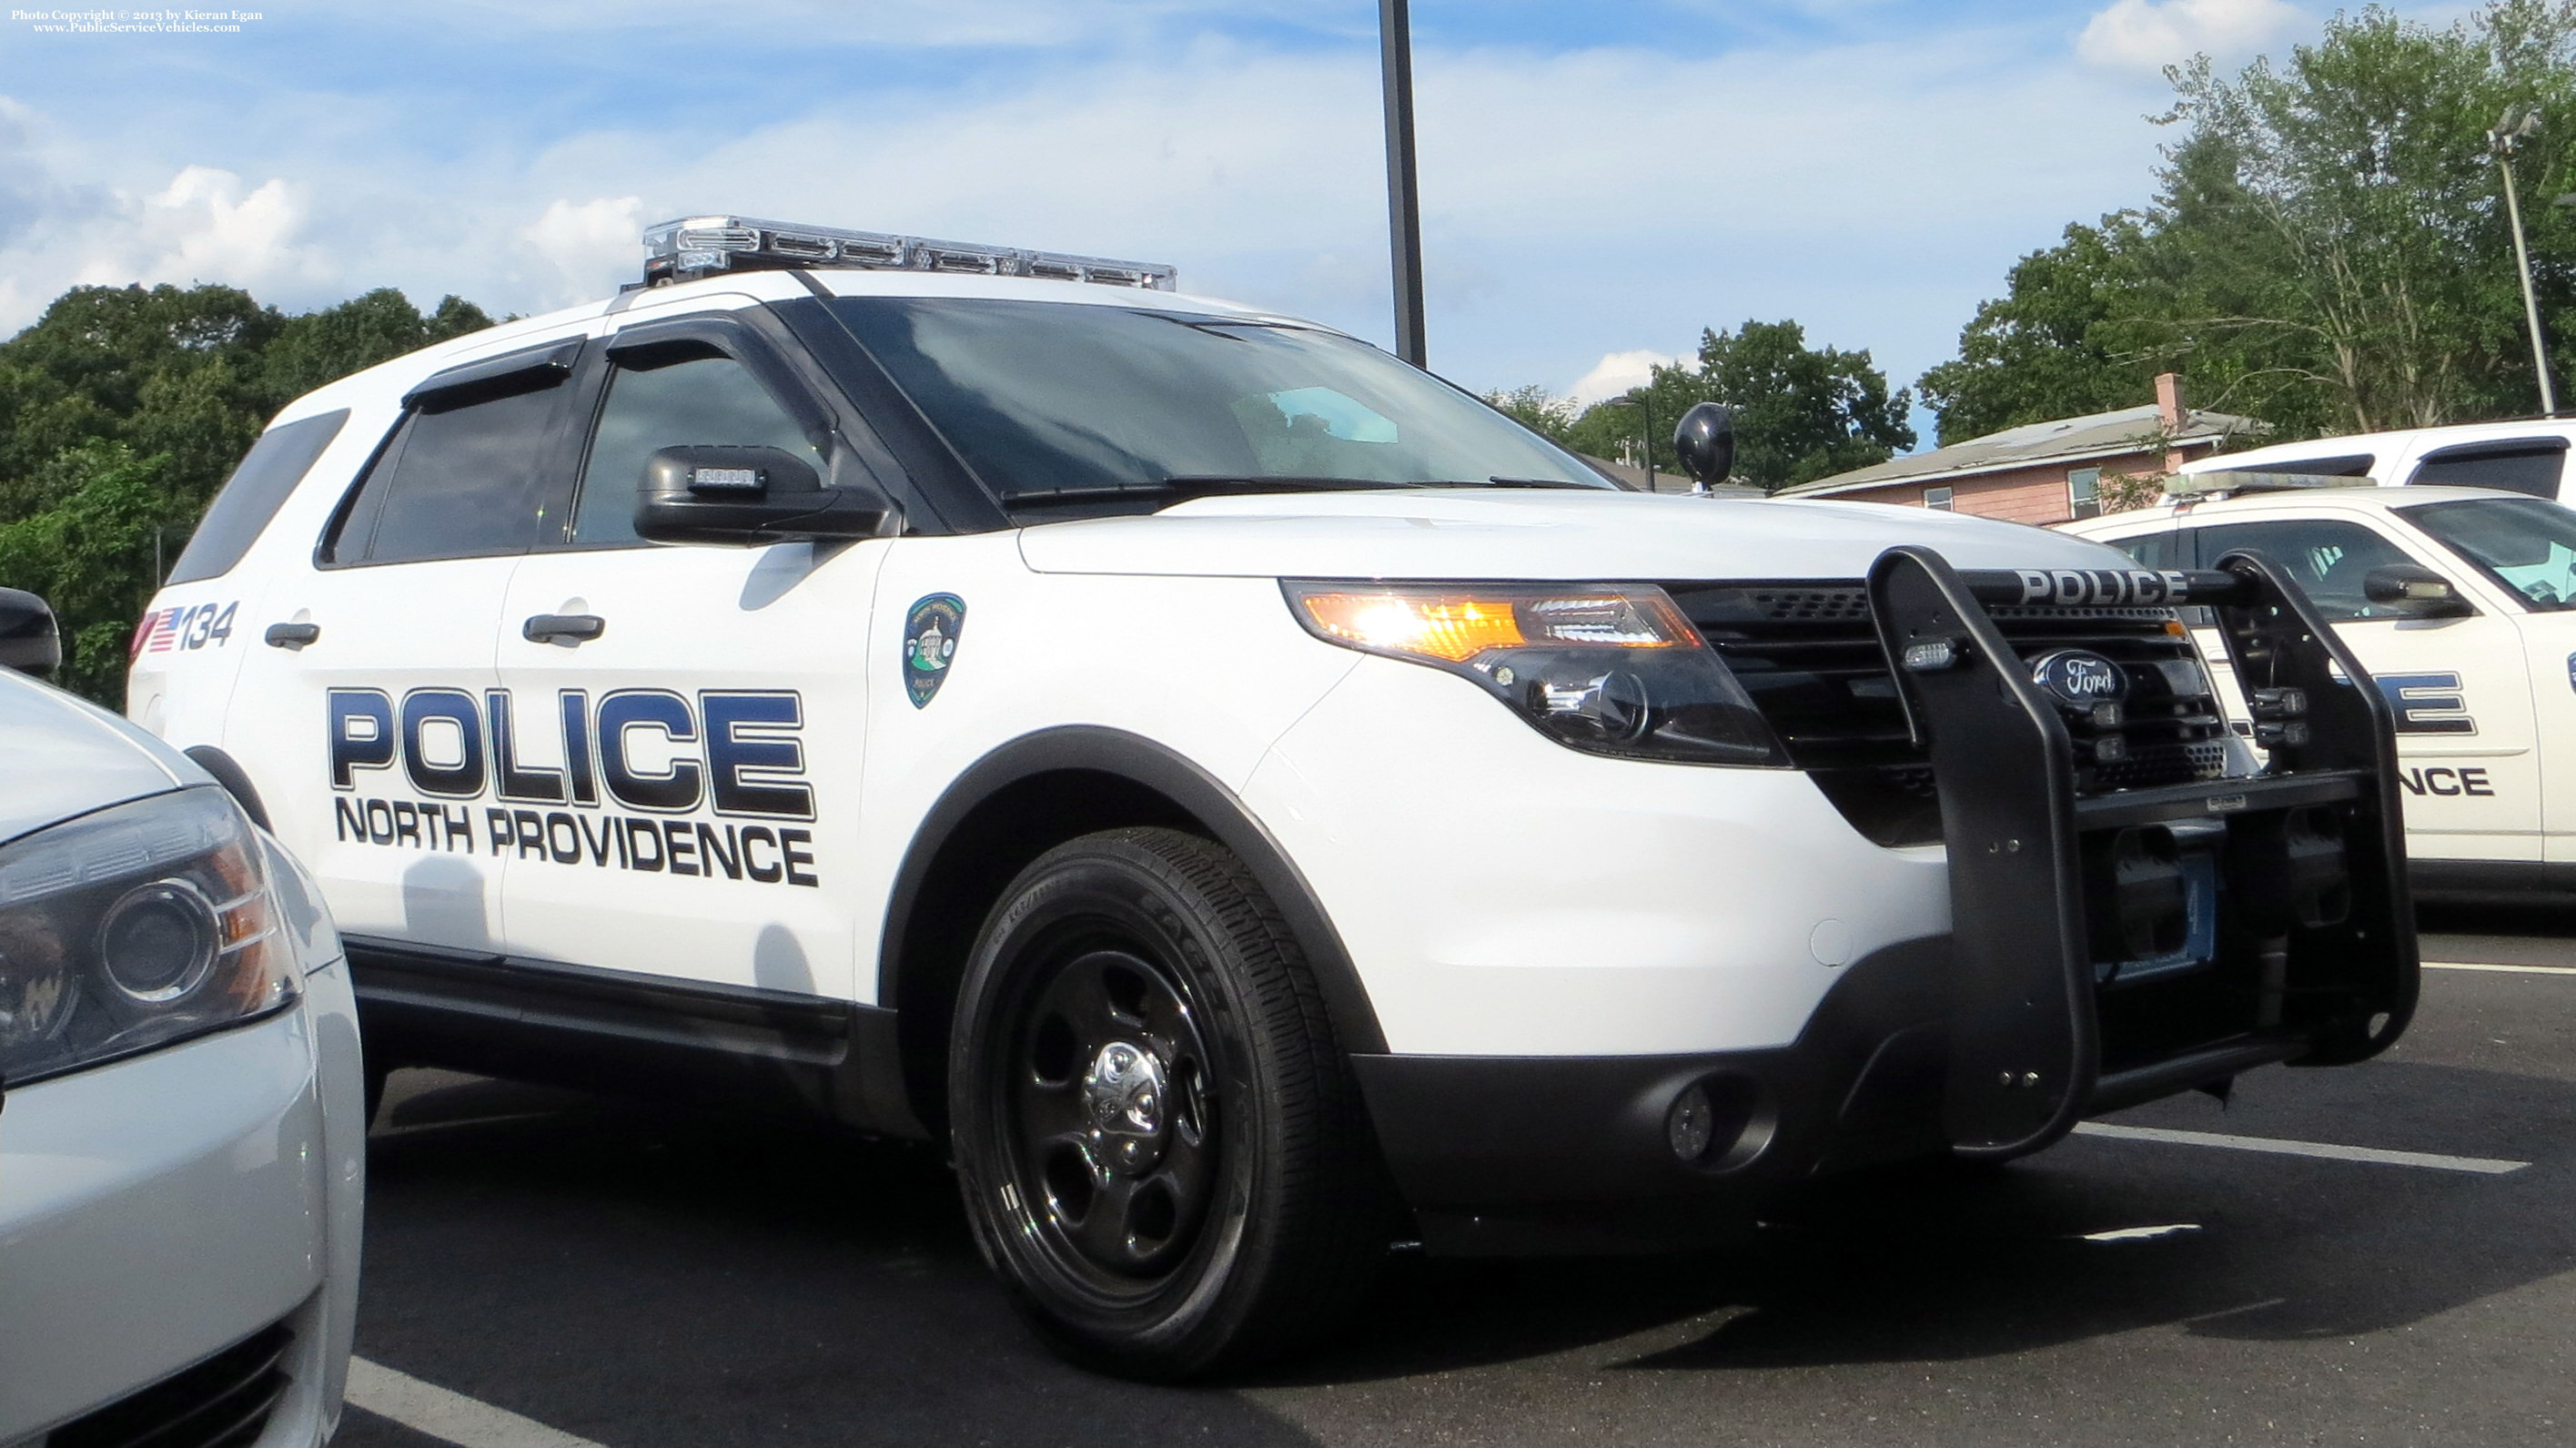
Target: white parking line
429, 1408
2482, 1165
2506, 969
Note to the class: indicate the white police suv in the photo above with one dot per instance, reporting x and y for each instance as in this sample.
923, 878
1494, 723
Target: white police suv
181, 1130
2462, 603
1248, 797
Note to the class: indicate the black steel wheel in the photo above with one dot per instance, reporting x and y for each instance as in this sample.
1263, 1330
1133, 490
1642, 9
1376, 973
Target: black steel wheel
1159, 1143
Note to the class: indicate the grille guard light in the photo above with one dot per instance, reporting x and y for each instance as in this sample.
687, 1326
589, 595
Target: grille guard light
1610, 669
690, 247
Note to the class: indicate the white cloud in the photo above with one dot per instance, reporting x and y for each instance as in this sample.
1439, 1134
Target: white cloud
593, 245
202, 227
2147, 35
1616, 373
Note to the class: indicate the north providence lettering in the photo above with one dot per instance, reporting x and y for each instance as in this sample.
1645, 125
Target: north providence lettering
738, 754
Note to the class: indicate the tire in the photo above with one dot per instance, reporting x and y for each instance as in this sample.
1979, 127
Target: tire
1162, 1149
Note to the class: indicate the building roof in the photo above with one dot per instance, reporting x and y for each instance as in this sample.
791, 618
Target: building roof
2068, 439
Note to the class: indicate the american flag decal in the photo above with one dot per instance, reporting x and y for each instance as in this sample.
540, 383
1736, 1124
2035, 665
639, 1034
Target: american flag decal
163, 632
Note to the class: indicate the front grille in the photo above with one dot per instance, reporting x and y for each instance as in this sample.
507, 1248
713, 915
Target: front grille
1809, 655
223, 1402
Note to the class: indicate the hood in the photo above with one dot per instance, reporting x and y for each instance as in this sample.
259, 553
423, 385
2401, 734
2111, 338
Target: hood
61, 756
1547, 535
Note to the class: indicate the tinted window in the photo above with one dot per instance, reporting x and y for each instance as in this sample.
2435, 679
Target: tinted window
705, 400
2342, 465
2152, 550
455, 482
2525, 544
1056, 404
2327, 558
253, 494
2520, 467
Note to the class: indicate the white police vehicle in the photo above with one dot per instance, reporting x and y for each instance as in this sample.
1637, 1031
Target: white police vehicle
182, 1137
2462, 604
1248, 797
2528, 456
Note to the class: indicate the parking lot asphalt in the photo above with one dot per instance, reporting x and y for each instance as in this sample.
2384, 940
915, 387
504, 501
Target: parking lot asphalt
643, 1278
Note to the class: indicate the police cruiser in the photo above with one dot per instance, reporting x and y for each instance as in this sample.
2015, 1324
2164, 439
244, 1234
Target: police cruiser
1248, 798
2462, 604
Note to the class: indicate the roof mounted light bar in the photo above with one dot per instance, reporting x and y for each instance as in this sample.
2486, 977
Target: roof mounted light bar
697, 246
2221, 481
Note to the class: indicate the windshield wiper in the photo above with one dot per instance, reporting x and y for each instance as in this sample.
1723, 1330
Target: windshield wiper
1194, 485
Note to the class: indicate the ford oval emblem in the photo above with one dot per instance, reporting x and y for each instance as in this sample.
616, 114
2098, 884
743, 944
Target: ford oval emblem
2079, 678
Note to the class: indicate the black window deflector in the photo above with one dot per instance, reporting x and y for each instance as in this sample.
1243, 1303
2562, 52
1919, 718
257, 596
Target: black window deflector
494, 376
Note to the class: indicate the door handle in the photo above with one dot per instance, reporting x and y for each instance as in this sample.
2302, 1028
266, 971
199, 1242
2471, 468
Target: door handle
291, 635
572, 628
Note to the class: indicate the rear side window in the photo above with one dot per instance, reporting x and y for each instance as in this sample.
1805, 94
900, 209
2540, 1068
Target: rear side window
2523, 465
253, 494
456, 481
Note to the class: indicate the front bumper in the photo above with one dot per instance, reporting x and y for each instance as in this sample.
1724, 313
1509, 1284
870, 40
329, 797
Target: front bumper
157, 1212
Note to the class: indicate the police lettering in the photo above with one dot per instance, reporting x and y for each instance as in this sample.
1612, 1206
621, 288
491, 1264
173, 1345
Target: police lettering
2447, 782
737, 753
2103, 587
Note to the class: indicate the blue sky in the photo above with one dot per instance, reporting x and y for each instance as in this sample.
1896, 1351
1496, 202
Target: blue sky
1598, 179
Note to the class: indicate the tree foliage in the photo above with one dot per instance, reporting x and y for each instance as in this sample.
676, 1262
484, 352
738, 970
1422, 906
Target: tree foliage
2328, 248
123, 409
1800, 412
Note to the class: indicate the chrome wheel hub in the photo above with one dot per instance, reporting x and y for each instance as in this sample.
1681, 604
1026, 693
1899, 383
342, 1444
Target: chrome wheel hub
1123, 1094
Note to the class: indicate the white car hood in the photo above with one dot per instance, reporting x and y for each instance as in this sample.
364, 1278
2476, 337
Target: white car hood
61, 756
1535, 534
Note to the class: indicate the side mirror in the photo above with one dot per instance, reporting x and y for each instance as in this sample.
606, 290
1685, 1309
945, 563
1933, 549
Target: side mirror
748, 495
29, 641
1705, 440
2413, 588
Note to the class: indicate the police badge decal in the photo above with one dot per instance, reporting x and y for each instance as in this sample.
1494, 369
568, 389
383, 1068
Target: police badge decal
929, 643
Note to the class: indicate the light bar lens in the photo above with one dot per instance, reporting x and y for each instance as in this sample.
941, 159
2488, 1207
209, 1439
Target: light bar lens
698, 246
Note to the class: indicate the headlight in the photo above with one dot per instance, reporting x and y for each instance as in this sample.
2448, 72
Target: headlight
1605, 668
132, 928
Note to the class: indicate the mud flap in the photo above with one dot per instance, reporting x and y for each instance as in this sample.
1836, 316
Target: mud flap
2316, 933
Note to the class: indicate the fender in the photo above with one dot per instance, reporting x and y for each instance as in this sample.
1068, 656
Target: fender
1142, 762
236, 781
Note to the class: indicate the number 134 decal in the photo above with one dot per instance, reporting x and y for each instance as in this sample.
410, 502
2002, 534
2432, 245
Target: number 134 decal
182, 626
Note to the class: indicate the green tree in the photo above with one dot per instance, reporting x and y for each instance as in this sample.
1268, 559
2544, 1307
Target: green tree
1539, 410
2327, 249
123, 409
1801, 413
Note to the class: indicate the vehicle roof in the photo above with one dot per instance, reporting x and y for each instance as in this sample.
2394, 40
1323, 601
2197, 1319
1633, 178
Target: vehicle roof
61, 756
2361, 499
739, 289
2384, 445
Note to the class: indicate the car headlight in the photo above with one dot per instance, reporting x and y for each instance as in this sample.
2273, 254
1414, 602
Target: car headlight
1605, 668
132, 928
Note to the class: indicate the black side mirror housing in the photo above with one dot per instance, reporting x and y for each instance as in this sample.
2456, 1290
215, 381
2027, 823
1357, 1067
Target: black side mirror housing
1705, 441
29, 640
749, 496
2414, 589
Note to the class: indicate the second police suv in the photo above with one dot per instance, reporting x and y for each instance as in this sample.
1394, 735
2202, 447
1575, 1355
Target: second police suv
1252, 800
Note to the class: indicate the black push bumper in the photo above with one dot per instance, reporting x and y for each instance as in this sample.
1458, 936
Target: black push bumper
1992, 1041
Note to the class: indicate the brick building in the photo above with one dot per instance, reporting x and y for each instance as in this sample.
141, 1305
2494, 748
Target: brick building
2044, 472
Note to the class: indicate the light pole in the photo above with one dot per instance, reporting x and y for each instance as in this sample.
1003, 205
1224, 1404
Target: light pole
2508, 136
1403, 198
1644, 402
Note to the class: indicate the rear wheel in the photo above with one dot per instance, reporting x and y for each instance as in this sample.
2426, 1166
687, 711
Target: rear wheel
1160, 1144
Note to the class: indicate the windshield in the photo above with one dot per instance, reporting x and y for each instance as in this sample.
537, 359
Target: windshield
1065, 407
2527, 544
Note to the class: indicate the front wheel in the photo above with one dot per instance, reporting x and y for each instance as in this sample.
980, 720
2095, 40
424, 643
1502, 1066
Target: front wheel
1161, 1147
